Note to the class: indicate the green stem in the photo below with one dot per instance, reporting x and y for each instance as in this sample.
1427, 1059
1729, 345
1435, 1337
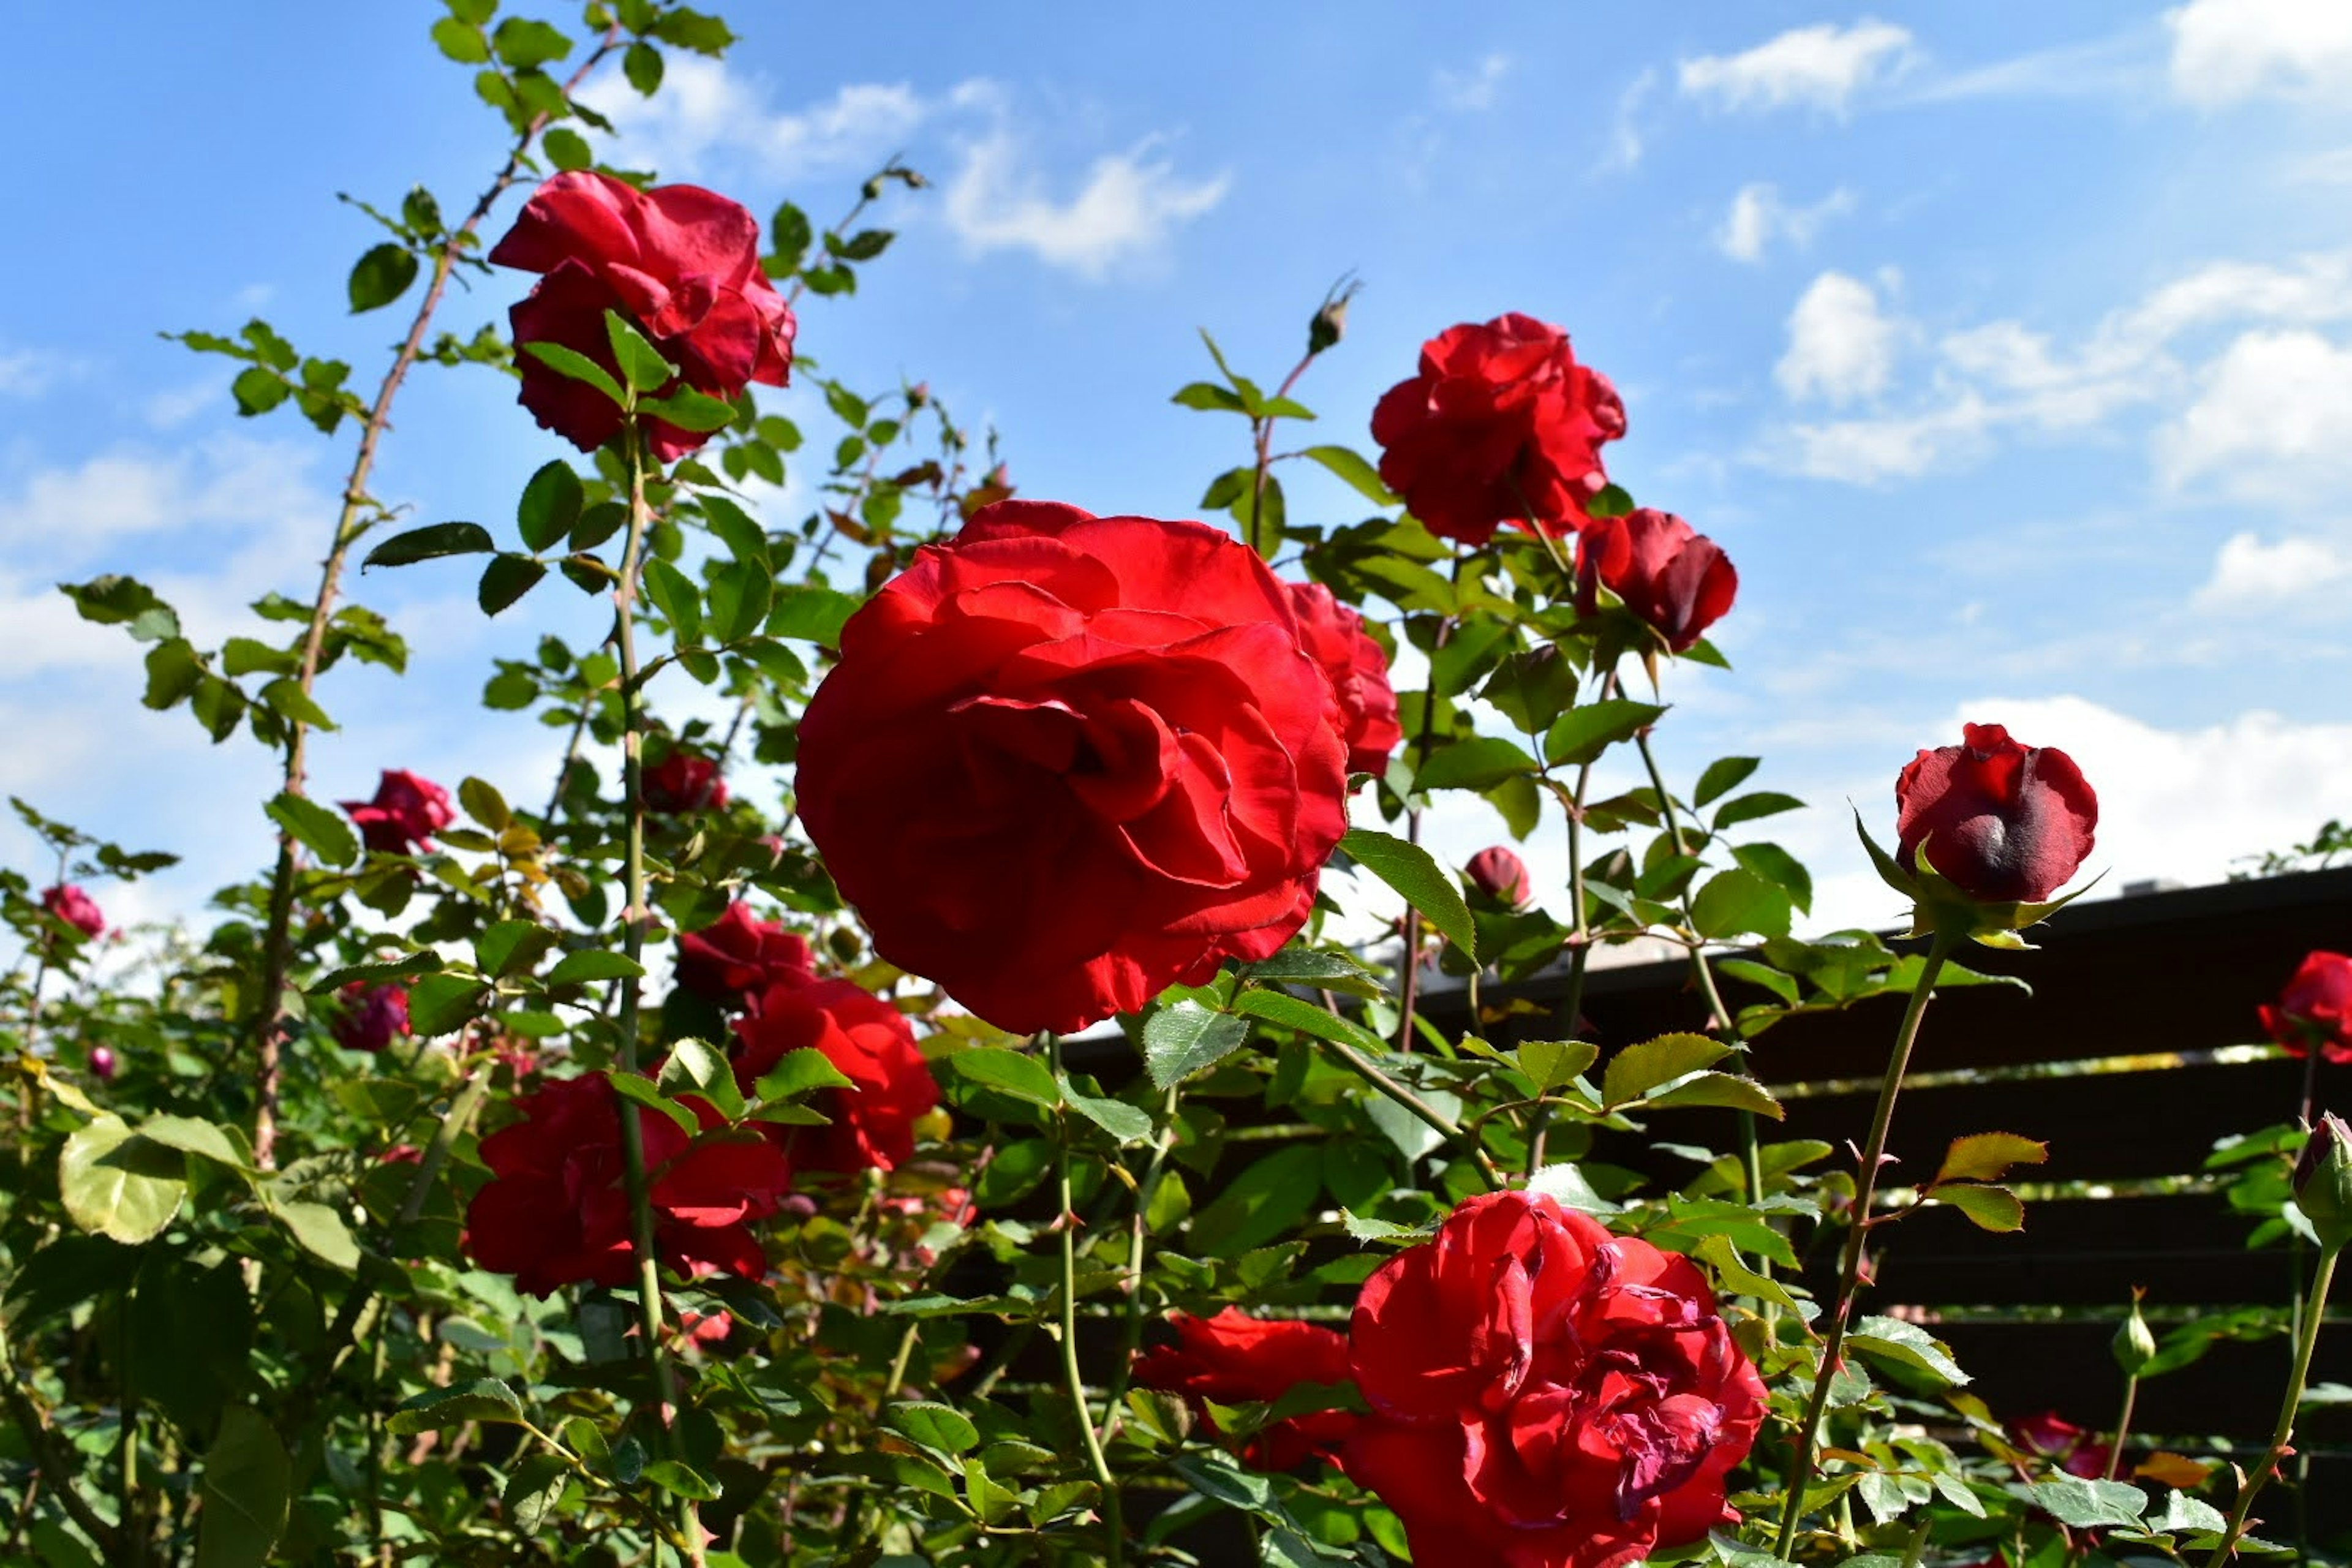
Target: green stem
2123, 1426
1138, 1241
1114, 1519
1580, 950
2305, 1345
1865, 1187
1429, 1115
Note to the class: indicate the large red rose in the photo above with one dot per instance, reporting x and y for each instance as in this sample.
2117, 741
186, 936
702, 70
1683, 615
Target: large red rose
1677, 581
2315, 1008
556, 1212
1545, 1395
1234, 1357
405, 813
682, 262
2005, 823
738, 955
76, 908
870, 1043
1500, 424
1333, 636
1066, 761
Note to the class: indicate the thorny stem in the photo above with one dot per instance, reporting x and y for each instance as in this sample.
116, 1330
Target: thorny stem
1066, 1222
1580, 942
1409, 987
52, 1466
1865, 1187
2304, 1345
359, 514
1137, 1239
1258, 539
2123, 1426
1429, 1115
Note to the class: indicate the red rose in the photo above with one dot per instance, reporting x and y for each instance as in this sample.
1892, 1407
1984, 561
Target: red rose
373, 1016
680, 261
1679, 581
1234, 1357
556, 1212
2070, 1447
75, 908
1500, 424
1065, 761
1333, 636
405, 814
870, 1043
1545, 1395
738, 955
2006, 823
682, 781
2315, 1008
1501, 875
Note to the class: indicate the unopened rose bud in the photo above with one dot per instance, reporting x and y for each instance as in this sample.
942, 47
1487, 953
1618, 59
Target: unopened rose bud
1501, 875
2134, 1343
1330, 322
919, 395
2323, 1181
101, 1063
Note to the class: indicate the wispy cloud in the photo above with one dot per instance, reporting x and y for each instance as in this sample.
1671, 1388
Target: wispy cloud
1822, 66
1473, 90
1758, 217
1623, 150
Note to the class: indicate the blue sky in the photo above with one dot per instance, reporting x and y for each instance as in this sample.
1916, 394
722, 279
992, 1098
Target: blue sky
2007, 348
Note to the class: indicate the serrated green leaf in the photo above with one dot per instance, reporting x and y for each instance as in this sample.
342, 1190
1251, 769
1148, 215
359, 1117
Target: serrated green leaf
695, 1068
1581, 735
1720, 1088
941, 1428
1125, 1123
550, 504
592, 964
1987, 1207
1409, 870
1186, 1039
430, 542
1639, 1069
574, 365
320, 831
480, 1399
1988, 1156
1908, 1344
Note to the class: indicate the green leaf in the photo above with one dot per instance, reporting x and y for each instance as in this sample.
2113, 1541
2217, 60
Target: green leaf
1749, 807
430, 542
673, 592
1781, 986
1408, 870
641, 363
382, 276
1735, 1275
592, 964
1908, 1344
1566, 1186
1720, 1088
1987, 1207
460, 42
1780, 869
437, 1409
575, 366
257, 390
190, 1136
800, 1072
376, 972
550, 505
1637, 1070
566, 148
322, 1233
941, 1428
1986, 1156
1318, 967
681, 1479
118, 1184
244, 655
1185, 1039
1583, 733
1261, 1202
247, 1485
322, 832
694, 1067
534, 1492
790, 233
1295, 1013
1479, 762
1737, 900
2084, 1504
1722, 775
506, 579
630, 1085
1125, 1123
115, 600
739, 596
1208, 397
286, 697
814, 615
1008, 1072
443, 1004
643, 66
1553, 1064
1351, 468
690, 410
525, 45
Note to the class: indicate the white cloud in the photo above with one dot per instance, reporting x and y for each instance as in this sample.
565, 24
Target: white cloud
2274, 411
2225, 50
1625, 150
1126, 206
1478, 88
2299, 572
23, 374
1757, 216
1841, 346
706, 115
1876, 451
2123, 66
1820, 67
2332, 167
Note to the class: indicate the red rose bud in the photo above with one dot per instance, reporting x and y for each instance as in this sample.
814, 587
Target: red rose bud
682, 781
740, 955
868, 1042
103, 1063
406, 812
1066, 761
2323, 1181
1676, 581
1333, 636
76, 908
2002, 822
1500, 425
1235, 1358
681, 262
2063, 1444
1545, 1395
373, 1016
1501, 875
2315, 1009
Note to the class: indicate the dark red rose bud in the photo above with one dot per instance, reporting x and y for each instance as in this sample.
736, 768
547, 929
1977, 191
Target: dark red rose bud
2323, 1181
1501, 875
103, 1063
76, 908
1679, 581
1333, 636
2315, 1008
1500, 425
2002, 822
372, 1017
406, 812
1235, 1358
682, 781
740, 955
680, 261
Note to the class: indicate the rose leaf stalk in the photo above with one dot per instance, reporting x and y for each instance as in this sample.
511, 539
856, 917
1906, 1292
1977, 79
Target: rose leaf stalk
1865, 1187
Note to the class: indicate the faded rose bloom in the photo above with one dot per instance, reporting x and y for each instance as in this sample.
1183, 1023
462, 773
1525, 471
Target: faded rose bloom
406, 812
1677, 581
2071, 1447
1333, 636
2003, 822
373, 1016
870, 1043
680, 262
1500, 423
2315, 1009
738, 955
1545, 1395
103, 1063
682, 781
75, 908
1234, 1357
1498, 872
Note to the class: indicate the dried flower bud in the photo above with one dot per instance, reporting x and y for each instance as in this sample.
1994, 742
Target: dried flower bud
2134, 1343
2323, 1181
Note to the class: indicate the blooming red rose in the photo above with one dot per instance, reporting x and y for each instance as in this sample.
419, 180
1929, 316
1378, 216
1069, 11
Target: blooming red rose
2071, 1447
680, 261
1234, 1357
682, 781
1500, 424
103, 1063
1679, 581
1065, 761
738, 955
75, 908
556, 1210
1497, 872
1333, 636
2315, 1008
373, 1016
1545, 1395
2005, 823
870, 1043
405, 813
